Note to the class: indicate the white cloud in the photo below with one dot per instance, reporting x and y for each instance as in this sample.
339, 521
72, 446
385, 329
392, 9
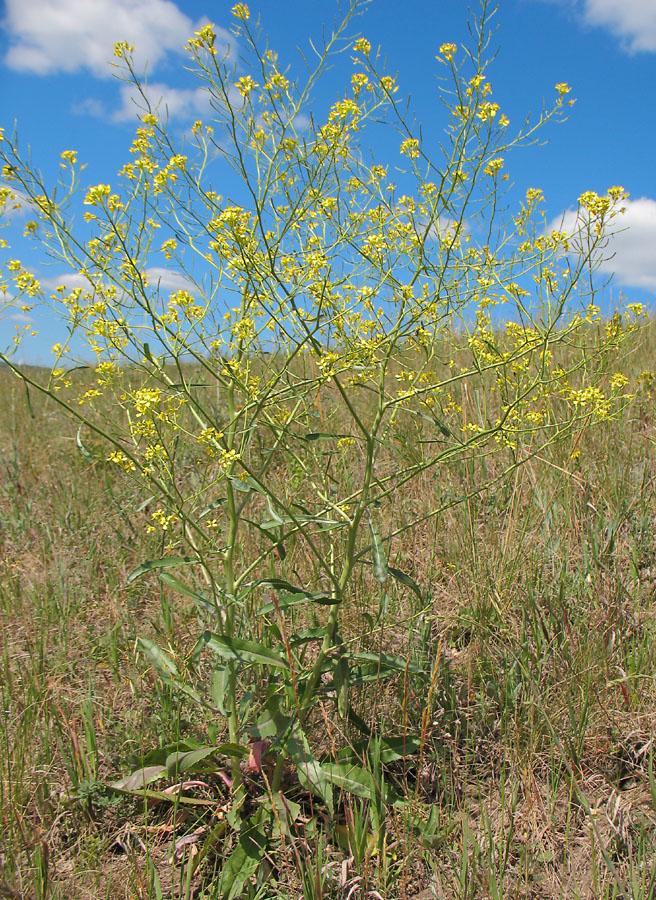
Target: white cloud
168, 280
158, 277
188, 102
90, 106
21, 318
47, 36
631, 252
16, 204
633, 21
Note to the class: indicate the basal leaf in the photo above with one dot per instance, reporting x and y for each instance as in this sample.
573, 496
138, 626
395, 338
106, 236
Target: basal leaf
139, 779
309, 771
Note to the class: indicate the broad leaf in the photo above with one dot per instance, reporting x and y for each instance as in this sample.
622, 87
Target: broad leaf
341, 682
168, 562
245, 858
391, 750
387, 661
244, 652
309, 771
352, 779
381, 570
139, 779
199, 597
167, 670
178, 763
406, 580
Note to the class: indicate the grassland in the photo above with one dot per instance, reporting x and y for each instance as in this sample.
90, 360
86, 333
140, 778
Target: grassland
535, 721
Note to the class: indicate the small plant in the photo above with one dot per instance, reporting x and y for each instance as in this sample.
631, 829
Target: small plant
333, 339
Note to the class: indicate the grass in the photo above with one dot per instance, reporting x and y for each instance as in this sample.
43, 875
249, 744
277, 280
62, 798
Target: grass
534, 773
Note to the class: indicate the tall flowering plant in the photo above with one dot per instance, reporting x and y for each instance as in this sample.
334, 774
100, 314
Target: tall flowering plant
317, 318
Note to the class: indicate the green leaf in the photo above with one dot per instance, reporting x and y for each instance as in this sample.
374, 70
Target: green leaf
300, 519
192, 760
219, 686
139, 779
310, 773
272, 723
167, 670
164, 664
387, 661
284, 812
245, 652
381, 570
341, 682
323, 435
391, 750
161, 796
215, 505
168, 562
145, 503
80, 446
177, 763
287, 600
326, 598
406, 580
353, 779
200, 598
307, 635
245, 485
158, 755
244, 860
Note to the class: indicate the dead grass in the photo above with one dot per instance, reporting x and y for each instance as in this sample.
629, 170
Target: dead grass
537, 718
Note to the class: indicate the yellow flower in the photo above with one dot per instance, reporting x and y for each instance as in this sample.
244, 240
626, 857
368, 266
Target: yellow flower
410, 147
618, 381
241, 11
89, 395
493, 166
362, 45
123, 49
448, 51
162, 519
118, 457
96, 195
245, 85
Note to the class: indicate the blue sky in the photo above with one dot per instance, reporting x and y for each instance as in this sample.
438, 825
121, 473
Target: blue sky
57, 86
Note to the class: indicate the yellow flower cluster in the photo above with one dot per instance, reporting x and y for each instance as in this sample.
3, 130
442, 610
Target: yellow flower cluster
209, 438
410, 147
161, 518
120, 459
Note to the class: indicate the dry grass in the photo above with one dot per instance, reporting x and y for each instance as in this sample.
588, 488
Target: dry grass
537, 716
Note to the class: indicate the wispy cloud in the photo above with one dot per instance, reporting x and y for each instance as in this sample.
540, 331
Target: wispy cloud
167, 101
158, 278
632, 21
67, 280
17, 203
630, 255
48, 36
168, 280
